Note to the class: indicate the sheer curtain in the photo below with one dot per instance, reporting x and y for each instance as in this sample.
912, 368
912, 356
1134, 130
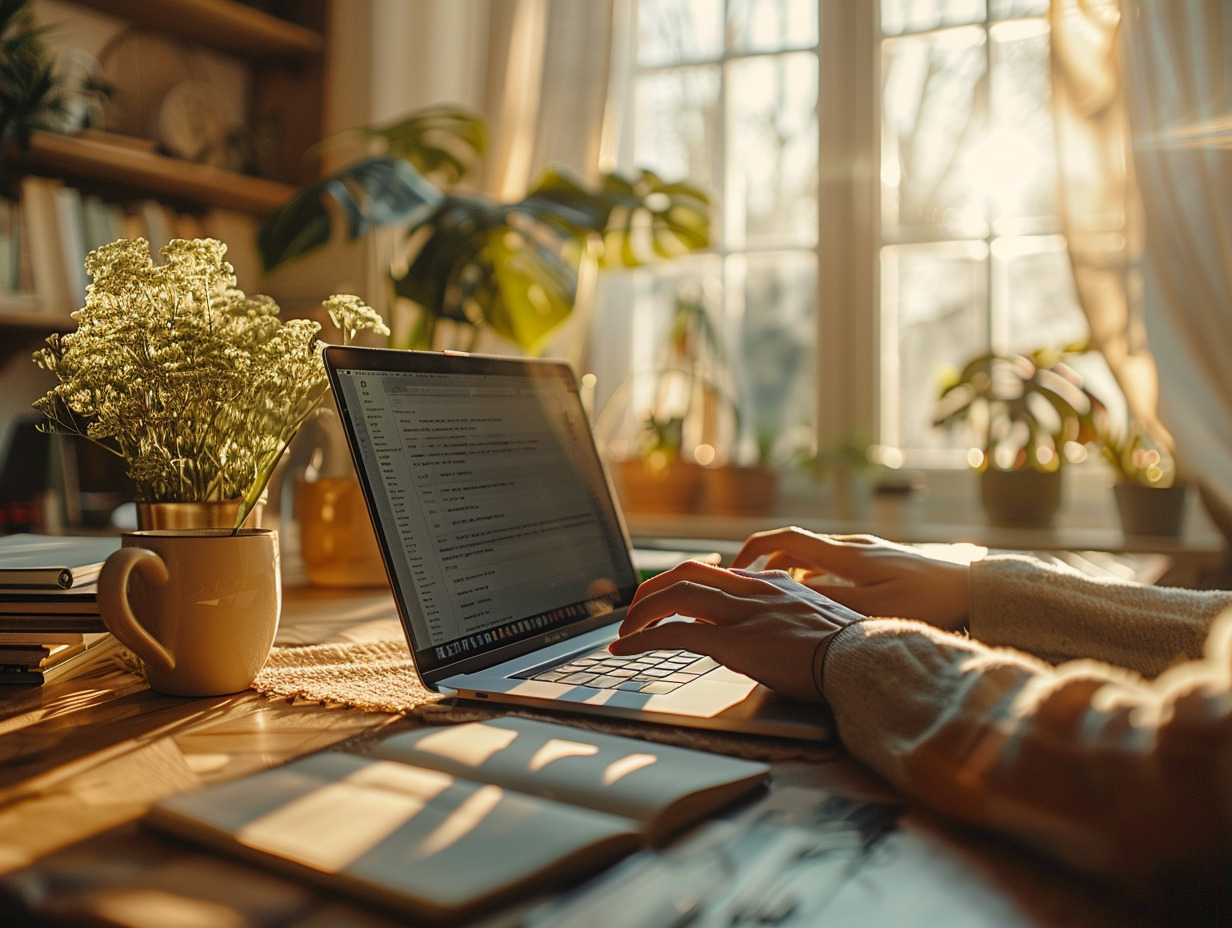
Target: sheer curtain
1144, 127
536, 70
545, 95
546, 88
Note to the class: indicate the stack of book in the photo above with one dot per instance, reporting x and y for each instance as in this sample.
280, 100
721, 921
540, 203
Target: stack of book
49, 621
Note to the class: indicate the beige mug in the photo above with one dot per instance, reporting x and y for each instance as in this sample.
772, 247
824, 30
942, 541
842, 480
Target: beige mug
199, 607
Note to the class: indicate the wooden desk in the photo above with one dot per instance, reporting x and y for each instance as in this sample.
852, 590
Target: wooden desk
81, 760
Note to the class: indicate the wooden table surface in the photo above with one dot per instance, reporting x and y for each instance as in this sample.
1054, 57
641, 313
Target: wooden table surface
82, 760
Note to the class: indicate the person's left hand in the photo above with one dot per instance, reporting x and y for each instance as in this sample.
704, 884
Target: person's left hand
762, 624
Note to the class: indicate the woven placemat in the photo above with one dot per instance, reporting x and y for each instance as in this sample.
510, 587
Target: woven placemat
376, 676
379, 676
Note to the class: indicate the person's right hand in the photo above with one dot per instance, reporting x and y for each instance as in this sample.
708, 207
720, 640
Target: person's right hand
867, 574
762, 624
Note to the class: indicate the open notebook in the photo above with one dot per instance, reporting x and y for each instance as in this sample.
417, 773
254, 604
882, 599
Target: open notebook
445, 822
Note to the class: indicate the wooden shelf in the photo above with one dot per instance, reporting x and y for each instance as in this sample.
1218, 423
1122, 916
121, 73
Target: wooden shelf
23, 330
220, 24
15, 316
148, 174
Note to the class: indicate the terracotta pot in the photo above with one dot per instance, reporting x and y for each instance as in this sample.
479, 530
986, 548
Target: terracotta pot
211, 514
1020, 498
676, 488
336, 539
733, 490
1144, 510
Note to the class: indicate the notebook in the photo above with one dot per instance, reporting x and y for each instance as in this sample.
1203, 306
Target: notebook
507, 555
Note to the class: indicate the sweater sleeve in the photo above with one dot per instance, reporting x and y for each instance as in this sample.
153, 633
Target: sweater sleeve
1059, 614
1089, 764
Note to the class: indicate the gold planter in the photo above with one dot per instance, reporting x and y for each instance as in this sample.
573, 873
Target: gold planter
211, 514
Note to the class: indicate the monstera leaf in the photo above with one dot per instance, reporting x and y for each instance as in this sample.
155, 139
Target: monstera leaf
443, 143
1024, 408
509, 267
642, 218
374, 192
493, 265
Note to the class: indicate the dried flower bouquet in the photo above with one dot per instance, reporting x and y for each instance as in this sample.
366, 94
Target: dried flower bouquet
198, 387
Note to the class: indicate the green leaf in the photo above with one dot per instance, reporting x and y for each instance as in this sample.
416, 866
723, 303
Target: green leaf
374, 192
640, 218
536, 292
442, 142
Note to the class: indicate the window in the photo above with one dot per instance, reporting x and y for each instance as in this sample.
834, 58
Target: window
725, 96
972, 256
884, 184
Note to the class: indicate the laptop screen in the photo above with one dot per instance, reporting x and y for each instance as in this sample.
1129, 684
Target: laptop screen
489, 500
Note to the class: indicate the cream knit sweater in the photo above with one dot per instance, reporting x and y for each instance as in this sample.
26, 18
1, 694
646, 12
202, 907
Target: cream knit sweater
1046, 725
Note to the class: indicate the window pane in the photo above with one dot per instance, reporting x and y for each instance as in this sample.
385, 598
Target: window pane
674, 31
770, 25
648, 375
934, 300
900, 16
675, 124
930, 124
1034, 292
1019, 162
1008, 9
772, 171
775, 330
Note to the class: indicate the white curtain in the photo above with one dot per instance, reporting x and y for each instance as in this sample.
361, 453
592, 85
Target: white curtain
546, 88
1143, 98
1179, 86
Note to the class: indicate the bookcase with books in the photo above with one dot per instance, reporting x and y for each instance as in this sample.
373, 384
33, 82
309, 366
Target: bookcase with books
64, 194
262, 66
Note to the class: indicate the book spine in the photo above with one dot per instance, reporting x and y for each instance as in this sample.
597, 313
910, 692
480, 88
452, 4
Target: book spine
47, 261
70, 214
36, 580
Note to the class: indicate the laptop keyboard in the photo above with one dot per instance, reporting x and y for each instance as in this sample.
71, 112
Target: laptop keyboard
654, 672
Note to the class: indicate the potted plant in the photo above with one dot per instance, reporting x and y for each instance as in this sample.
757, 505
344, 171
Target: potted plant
849, 470
470, 264
1023, 410
197, 387
33, 94
510, 268
668, 428
1149, 496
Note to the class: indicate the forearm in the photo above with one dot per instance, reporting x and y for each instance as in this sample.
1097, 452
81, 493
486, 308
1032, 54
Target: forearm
1092, 766
1059, 614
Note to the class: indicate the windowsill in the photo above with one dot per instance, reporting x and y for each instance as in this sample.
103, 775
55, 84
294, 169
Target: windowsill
945, 509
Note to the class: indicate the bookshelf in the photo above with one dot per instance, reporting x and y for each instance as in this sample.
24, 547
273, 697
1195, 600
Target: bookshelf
270, 67
282, 47
95, 161
222, 25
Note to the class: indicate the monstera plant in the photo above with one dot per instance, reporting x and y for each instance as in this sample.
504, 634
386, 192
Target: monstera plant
512, 268
1023, 409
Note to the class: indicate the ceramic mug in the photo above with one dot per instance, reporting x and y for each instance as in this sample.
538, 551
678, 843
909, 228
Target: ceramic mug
199, 607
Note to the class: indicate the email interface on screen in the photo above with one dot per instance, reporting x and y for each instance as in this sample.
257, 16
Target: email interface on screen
492, 493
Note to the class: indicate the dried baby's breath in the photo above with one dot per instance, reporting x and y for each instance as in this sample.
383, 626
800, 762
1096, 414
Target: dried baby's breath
198, 387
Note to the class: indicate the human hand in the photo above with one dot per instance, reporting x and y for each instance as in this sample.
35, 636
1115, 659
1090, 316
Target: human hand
867, 574
761, 624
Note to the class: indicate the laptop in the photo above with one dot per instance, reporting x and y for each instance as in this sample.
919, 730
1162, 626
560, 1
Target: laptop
508, 558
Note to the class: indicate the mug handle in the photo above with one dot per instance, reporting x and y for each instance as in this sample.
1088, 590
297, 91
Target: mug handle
118, 615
